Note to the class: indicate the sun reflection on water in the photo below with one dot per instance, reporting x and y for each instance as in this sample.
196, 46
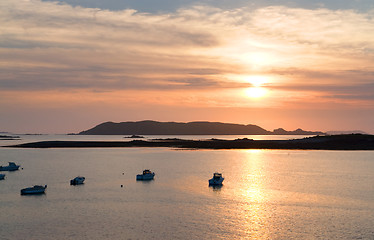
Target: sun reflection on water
253, 207
253, 177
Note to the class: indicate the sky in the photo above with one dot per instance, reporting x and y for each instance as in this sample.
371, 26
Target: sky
66, 66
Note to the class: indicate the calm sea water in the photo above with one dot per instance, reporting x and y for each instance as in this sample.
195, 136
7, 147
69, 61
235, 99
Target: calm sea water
267, 194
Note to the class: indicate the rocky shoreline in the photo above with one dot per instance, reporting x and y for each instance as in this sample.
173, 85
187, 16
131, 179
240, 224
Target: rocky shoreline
334, 142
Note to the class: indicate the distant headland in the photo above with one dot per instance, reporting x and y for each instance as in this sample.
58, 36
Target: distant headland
190, 128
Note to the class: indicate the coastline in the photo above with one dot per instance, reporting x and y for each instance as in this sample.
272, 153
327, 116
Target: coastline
333, 142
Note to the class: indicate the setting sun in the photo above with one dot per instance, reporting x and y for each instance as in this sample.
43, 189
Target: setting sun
256, 92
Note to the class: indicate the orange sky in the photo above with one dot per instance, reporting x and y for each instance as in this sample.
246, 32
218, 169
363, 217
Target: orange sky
65, 69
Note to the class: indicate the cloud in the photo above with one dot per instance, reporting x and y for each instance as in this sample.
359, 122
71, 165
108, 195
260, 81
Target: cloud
171, 6
48, 46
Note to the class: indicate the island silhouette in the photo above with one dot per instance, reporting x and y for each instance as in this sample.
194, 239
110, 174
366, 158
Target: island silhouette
149, 127
315, 140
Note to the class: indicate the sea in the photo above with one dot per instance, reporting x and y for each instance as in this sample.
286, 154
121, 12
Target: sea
266, 194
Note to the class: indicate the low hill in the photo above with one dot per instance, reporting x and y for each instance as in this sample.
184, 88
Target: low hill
190, 128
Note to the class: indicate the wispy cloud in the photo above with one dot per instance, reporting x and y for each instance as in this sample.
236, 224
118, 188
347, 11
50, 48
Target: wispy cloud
47, 46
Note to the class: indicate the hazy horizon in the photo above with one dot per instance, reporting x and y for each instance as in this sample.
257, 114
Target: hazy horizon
66, 66
270, 130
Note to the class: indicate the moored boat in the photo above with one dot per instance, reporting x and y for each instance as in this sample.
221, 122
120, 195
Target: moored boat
2, 176
216, 180
37, 189
78, 180
147, 175
11, 167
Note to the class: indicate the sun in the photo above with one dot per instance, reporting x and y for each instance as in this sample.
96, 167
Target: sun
257, 90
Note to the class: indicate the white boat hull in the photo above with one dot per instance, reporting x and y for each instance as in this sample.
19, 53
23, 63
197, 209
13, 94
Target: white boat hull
77, 181
216, 182
33, 190
145, 177
11, 167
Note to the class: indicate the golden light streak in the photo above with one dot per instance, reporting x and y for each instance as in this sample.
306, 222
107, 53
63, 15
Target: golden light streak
254, 214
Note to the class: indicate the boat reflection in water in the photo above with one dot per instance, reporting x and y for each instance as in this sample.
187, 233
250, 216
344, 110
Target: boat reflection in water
216, 188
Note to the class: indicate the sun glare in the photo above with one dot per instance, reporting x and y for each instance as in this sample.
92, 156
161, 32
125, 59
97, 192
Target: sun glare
257, 81
257, 90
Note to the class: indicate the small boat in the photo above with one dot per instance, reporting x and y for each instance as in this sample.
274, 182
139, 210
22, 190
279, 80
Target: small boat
134, 136
11, 167
37, 189
2, 176
216, 180
147, 175
78, 180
